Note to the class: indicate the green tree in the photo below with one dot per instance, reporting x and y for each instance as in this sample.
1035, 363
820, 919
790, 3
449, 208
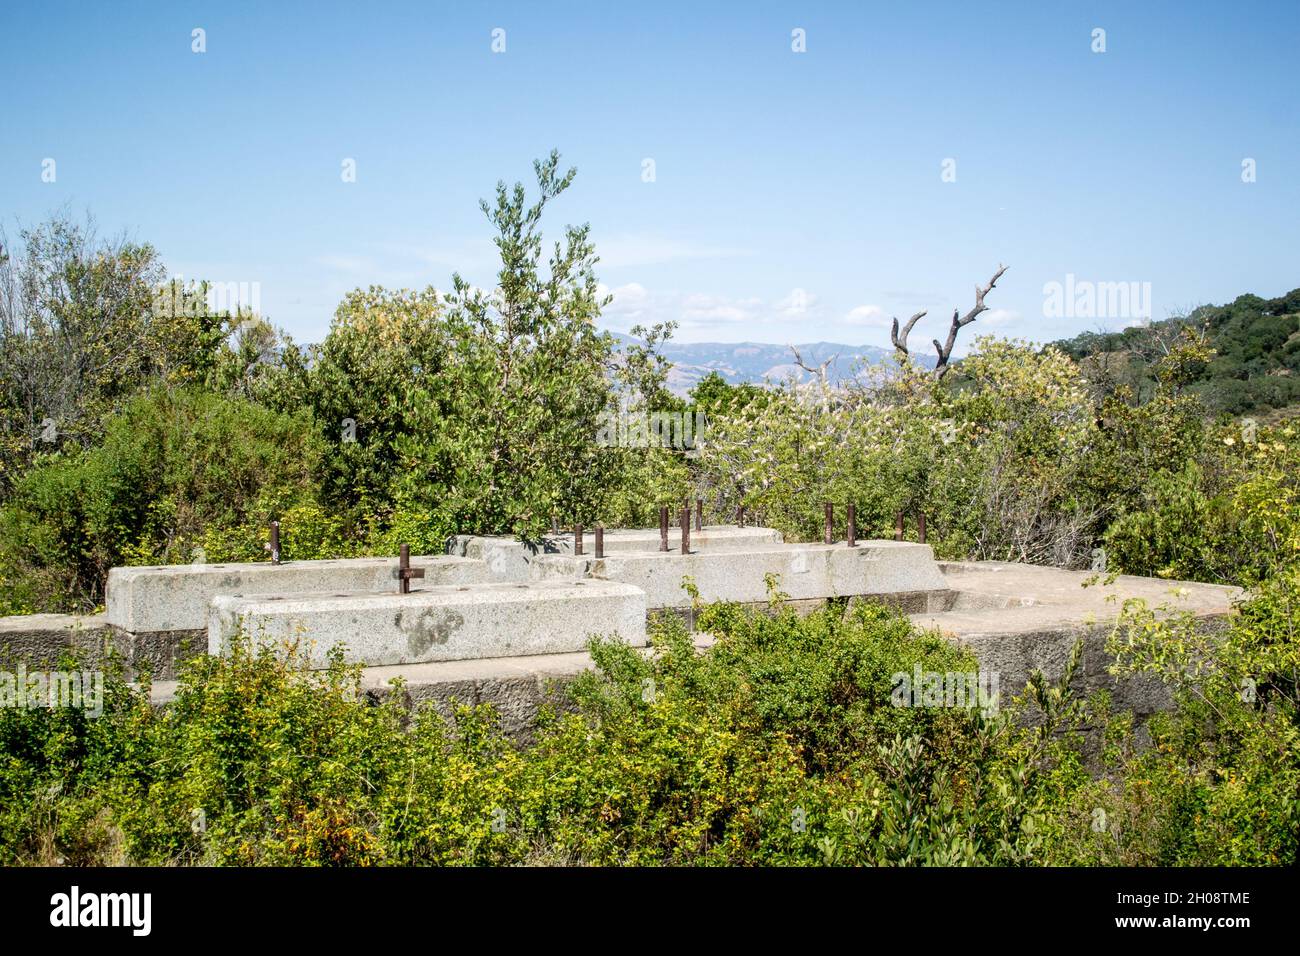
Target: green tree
532, 374
85, 323
178, 470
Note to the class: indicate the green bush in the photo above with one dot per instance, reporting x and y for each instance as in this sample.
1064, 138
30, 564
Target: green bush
1218, 784
778, 745
473, 411
178, 470
1232, 515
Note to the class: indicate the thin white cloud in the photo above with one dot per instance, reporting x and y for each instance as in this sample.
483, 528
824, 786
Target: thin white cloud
626, 251
464, 256
798, 303
869, 315
700, 311
629, 303
998, 317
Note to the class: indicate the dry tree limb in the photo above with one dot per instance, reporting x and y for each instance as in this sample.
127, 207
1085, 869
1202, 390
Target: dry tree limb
944, 349
900, 341
819, 371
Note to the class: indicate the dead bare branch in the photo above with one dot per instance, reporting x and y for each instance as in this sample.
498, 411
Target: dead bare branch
900, 341
819, 371
945, 350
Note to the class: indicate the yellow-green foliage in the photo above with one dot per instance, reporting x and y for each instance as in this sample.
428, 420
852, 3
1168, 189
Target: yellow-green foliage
1218, 784
781, 744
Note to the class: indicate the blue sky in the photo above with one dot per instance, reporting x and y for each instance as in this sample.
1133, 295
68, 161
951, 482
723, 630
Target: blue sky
796, 196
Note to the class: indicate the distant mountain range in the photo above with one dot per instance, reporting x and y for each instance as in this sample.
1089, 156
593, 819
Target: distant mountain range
757, 362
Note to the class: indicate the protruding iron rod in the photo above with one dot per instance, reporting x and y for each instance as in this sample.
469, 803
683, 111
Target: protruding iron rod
600, 540
577, 539
275, 542
663, 529
686, 530
920, 527
405, 573
853, 526
699, 514
898, 526
828, 536
740, 516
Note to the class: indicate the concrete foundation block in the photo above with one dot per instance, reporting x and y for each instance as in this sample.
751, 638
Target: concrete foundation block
441, 623
161, 653
510, 559
802, 571
145, 600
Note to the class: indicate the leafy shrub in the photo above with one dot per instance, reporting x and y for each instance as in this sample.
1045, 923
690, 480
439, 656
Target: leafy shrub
1232, 515
178, 469
780, 744
1218, 785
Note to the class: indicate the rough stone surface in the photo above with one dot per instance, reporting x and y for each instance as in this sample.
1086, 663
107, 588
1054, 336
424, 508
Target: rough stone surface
516, 645
176, 597
509, 559
161, 652
441, 623
39, 640
803, 572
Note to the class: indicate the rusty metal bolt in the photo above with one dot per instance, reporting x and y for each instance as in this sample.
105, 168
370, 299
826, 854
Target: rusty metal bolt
663, 529
828, 535
275, 542
577, 539
600, 540
405, 573
686, 530
853, 526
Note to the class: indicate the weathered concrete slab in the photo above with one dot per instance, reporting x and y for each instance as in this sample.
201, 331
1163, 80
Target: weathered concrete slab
803, 572
1018, 618
1004, 597
441, 623
147, 600
509, 559
162, 653
40, 641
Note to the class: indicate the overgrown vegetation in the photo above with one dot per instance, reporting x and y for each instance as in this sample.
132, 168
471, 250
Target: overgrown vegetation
137, 426
779, 745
